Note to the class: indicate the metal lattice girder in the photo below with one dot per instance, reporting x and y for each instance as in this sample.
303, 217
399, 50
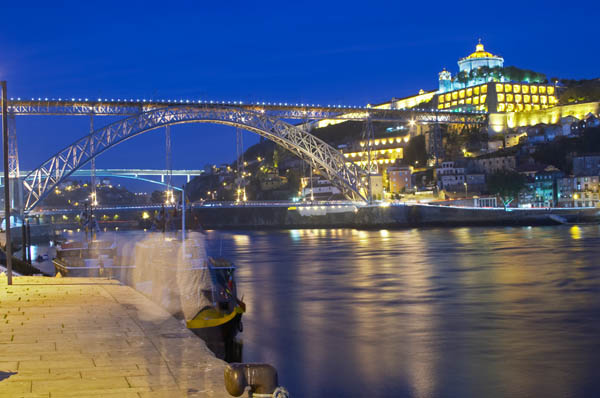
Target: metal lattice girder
13, 152
303, 112
332, 164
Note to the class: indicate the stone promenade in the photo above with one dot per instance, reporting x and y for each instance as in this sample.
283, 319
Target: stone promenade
92, 337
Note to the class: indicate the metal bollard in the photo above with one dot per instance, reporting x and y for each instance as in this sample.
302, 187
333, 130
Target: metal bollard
260, 377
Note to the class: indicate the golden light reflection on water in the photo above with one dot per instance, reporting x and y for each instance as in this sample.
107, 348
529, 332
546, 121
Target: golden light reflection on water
575, 232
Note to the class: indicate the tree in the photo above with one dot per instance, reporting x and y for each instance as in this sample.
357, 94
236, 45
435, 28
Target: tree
415, 152
506, 184
157, 197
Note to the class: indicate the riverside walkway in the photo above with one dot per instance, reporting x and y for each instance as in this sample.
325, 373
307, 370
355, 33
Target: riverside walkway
93, 337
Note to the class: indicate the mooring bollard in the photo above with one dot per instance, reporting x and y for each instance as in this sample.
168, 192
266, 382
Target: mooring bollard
260, 377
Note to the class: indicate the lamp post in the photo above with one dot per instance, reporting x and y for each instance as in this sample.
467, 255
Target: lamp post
466, 190
6, 183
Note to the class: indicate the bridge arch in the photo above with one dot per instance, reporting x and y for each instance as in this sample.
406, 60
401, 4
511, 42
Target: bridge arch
320, 155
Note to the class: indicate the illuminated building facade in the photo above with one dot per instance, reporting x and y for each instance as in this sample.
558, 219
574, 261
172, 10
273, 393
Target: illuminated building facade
490, 92
400, 178
500, 97
467, 67
578, 191
384, 151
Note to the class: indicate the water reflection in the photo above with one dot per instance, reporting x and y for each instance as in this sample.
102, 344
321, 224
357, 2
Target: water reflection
423, 312
488, 312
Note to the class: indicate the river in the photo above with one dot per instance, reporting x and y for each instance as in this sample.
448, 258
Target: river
490, 312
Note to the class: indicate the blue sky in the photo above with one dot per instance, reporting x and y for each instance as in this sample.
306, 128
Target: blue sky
322, 52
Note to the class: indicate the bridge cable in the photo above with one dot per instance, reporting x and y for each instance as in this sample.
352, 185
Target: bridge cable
240, 163
94, 198
169, 167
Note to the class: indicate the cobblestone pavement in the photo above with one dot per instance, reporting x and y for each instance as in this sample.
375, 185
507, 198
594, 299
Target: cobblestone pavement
93, 337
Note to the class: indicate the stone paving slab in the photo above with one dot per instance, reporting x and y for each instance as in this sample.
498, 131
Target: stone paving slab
93, 337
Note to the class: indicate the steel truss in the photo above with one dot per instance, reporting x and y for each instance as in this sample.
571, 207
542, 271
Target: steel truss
280, 111
346, 176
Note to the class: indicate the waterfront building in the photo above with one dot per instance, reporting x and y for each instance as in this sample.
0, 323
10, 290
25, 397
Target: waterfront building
384, 151
579, 191
490, 164
542, 190
399, 179
451, 176
319, 188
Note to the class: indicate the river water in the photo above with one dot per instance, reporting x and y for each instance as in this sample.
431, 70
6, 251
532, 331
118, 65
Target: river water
486, 312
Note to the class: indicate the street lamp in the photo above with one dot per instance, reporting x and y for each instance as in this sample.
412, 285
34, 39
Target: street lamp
6, 183
466, 189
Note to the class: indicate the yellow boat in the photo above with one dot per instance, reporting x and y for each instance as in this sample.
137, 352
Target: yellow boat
210, 317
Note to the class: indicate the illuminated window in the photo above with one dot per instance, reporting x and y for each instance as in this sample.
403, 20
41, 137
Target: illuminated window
484, 89
482, 98
518, 98
552, 99
476, 100
468, 100
526, 99
441, 98
469, 92
476, 90
508, 88
543, 99
516, 88
542, 89
533, 89
535, 99
527, 107
500, 97
447, 105
536, 107
550, 90
509, 98
501, 107
525, 89
448, 97
461, 93
461, 102
519, 107
499, 88
510, 107
454, 103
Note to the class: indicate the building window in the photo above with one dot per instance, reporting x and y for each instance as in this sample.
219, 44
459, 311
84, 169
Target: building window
499, 88
500, 97
476, 90
484, 89
525, 89
533, 89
